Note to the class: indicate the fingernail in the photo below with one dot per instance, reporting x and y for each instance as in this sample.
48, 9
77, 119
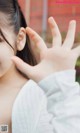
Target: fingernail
73, 21
51, 19
27, 28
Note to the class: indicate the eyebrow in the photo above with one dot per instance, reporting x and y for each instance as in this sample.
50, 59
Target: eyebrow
5, 38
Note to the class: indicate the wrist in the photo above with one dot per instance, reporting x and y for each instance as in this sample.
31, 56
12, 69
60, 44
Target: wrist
69, 75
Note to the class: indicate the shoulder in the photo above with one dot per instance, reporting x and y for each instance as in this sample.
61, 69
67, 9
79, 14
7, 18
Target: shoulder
31, 98
34, 89
31, 92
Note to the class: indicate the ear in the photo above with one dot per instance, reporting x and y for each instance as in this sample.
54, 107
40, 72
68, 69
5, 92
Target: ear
21, 39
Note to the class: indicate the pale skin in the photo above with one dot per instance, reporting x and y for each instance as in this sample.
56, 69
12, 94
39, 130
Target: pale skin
57, 58
11, 81
50, 60
7, 68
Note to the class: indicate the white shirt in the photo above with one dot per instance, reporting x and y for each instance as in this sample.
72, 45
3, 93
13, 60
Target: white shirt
50, 106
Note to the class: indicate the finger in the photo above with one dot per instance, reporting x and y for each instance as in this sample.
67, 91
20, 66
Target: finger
77, 50
36, 39
35, 52
57, 39
22, 66
69, 41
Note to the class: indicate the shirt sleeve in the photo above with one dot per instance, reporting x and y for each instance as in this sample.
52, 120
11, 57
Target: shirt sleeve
63, 101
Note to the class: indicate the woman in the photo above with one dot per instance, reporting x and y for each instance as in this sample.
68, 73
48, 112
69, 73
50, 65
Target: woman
36, 97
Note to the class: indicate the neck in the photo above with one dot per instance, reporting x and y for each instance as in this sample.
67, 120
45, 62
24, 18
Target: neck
12, 78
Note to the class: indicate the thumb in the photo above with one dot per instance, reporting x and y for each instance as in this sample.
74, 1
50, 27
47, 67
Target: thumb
22, 66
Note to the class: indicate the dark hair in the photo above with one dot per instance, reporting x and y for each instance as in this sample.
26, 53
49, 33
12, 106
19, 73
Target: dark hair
17, 19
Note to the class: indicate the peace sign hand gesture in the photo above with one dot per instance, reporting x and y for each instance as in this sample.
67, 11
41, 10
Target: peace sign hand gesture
57, 58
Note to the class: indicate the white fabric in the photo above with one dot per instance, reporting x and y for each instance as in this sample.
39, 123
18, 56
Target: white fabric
51, 106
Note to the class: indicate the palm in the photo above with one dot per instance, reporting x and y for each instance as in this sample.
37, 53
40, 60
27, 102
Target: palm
57, 58
60, 56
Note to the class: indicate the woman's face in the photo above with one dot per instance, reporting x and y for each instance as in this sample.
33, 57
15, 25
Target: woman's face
17, 43
6, 52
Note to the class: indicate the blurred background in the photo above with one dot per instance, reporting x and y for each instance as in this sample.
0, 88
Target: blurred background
37, 12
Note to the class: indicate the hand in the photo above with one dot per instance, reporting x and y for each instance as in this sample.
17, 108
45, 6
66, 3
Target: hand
57, 58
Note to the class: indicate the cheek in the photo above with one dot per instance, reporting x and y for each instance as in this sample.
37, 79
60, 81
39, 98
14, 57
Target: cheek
5, 50
5, 57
